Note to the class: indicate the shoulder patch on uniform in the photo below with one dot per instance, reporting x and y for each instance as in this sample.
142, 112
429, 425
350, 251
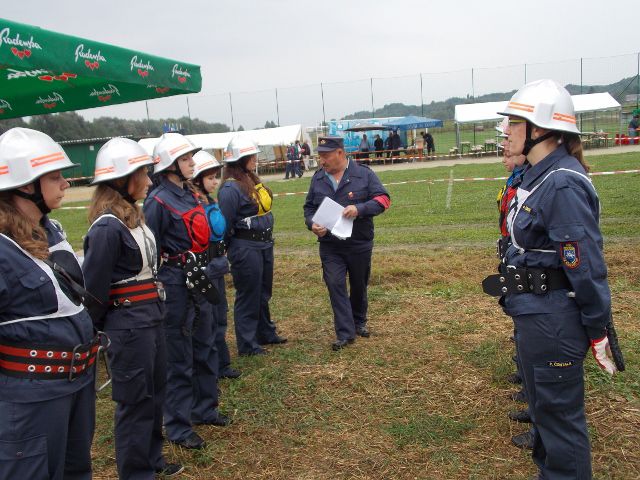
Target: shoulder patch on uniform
570, 254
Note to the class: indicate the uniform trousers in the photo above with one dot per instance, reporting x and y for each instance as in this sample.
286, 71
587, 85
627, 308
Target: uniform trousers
252, 272
139, 369
48, 440
220, 318
191, 374
551, 348
349, 308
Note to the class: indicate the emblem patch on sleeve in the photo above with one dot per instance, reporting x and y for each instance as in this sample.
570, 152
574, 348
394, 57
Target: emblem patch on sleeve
570, 254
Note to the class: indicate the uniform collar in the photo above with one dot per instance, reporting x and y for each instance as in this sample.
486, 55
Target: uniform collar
172, 187
545, 165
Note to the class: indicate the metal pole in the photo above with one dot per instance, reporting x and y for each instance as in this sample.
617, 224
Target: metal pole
581, 75
277, 107
324, 118
421, 97
638, 89
373, 111
189, 113
473, 88
525, 73
233, 126
146, 104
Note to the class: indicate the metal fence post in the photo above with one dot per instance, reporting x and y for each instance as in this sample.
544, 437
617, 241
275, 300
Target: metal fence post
233, 126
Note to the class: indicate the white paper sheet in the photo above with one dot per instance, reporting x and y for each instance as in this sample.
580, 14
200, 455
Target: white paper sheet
329, 215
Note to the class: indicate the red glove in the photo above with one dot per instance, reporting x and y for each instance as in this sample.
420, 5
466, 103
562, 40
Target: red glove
602, 354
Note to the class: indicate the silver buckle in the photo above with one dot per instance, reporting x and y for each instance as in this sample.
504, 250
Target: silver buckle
105, 343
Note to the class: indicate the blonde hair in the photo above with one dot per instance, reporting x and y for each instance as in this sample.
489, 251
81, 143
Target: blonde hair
106, 199
13, 223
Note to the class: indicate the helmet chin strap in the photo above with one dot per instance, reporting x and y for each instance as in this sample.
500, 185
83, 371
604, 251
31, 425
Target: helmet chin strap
36, 197
177, 171
123, 190
529, 142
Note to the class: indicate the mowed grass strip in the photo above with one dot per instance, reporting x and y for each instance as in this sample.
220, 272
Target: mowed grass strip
425, 396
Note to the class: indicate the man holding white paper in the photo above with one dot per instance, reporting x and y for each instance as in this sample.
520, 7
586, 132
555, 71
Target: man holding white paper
346, 246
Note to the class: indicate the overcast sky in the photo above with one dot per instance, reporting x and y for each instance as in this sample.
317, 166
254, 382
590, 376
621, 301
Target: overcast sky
260, 45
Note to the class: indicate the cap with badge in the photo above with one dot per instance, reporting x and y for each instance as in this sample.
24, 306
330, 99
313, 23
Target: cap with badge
329, 144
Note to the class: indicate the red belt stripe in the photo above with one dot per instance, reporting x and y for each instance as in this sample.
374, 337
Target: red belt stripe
37, 368
45, 354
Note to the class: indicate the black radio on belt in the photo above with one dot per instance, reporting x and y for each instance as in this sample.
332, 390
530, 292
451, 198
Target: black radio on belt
525, 280
216, 249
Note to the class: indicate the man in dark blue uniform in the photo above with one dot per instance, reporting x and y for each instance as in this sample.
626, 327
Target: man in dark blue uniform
359, 190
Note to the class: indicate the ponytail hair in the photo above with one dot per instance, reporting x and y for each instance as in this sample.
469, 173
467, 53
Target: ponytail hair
573, 144
15, 225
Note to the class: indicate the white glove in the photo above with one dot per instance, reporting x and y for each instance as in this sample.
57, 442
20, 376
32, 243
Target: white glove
602, 353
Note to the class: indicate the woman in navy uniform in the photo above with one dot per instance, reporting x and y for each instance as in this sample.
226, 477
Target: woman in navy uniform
358, 189
246, 205
176, 218
120, 266
47, 355
205, 179
554, 278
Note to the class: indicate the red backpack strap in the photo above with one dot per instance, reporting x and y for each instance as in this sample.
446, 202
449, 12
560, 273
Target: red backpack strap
166, 205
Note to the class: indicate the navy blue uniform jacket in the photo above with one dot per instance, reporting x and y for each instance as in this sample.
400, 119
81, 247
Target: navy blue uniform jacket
359, 186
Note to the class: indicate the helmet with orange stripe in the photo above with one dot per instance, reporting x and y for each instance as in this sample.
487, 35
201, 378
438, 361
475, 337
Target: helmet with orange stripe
169, 148
545, 104
239, 147
25, 156
119, 158
204, 161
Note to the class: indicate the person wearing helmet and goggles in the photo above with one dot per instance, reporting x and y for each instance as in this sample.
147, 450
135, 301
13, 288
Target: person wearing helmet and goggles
178, 221
553, 277
206, 179
246, 205
47, 344
120, 267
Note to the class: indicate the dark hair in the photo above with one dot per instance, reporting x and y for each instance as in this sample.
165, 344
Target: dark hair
573, 144
247, 180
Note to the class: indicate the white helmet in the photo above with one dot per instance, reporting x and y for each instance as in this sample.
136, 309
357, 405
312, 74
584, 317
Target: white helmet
169, 148
204, 161
546, 104
239, 147
26, 155
501, 127
118, 158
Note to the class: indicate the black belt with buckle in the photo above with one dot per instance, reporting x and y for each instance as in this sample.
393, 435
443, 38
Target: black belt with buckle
257, 235
194, 265
140, 292
525, 280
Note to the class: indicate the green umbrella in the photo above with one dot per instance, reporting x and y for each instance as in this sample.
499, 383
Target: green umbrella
45, 72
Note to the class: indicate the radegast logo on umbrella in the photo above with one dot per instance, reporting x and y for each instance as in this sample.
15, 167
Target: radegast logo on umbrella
20, 48
4, 106
181, 74
12, 73
50, 101
105, 93
91, 60
143, 68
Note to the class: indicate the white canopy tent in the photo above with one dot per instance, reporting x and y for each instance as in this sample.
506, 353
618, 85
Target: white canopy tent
484, 112
271, 141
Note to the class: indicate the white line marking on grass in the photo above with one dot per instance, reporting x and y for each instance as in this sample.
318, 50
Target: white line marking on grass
449, 190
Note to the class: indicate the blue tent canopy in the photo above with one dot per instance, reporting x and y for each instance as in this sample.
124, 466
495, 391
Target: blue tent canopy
412, 122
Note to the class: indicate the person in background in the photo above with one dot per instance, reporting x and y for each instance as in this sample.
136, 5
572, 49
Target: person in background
429, 143
306, 154
364, 148
358, 189
297, 163
178, 221
634, 127
553, 277
245, 203
388, 144
396, 143
206, 179
289, 167
378, 144
47, 397
120, 268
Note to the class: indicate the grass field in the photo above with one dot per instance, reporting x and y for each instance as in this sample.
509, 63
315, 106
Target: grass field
425, 396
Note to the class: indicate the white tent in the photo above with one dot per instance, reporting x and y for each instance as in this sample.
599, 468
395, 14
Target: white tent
266, 137
484, 112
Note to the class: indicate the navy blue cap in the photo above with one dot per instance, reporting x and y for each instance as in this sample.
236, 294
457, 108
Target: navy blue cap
329, 144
